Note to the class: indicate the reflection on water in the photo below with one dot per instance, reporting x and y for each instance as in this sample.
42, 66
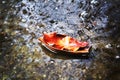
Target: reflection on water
22, 23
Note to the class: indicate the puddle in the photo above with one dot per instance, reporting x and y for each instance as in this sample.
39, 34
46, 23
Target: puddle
22, 23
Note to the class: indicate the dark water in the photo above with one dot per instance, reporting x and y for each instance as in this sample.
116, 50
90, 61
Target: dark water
22, 23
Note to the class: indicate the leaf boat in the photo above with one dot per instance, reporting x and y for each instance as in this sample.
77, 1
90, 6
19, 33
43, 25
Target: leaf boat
61, 43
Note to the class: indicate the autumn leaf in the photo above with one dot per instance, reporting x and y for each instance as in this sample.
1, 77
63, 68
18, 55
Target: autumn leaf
63, 43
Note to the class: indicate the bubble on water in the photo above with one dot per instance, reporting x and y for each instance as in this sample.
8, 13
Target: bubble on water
52, 61
29, 60
108, 46
118, 46
24, 1
3, 2
37, 60
11, 44
117, 57
70, 31
56, 8
23, 24
46, 59
84, 13
24, 20
44, 75
94, 2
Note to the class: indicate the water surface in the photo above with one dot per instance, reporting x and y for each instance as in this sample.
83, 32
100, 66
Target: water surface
22, 23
